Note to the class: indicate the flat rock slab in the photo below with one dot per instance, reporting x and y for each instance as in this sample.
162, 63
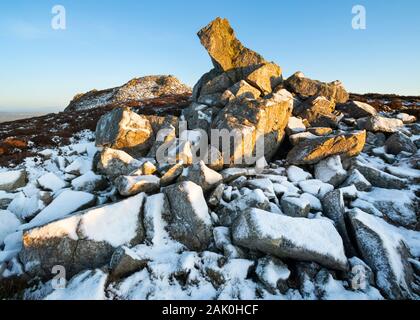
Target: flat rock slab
295, 238
311, 151
84, 240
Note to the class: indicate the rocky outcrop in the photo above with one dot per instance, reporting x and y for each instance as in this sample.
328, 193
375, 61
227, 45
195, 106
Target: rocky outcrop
233, 63
137, 89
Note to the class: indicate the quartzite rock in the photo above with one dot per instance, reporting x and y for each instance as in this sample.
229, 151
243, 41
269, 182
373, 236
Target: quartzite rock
311, 151
306, 87
123, 129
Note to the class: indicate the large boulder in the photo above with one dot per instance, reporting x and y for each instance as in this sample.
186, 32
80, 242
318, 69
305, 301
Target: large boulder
306, 88
123, 129
84, 240
190, 221
311, 151
295, 238
357, 109
138, 89
385, 252
253, 122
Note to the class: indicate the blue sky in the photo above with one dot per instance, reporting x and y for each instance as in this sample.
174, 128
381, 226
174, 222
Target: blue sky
106, 43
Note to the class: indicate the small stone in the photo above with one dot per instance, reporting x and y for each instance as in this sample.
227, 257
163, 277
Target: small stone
132, 185
295, 207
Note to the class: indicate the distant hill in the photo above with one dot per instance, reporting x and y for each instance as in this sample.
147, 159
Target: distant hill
12, 116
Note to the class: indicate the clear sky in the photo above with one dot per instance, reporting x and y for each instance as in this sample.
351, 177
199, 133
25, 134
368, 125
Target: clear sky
106, 43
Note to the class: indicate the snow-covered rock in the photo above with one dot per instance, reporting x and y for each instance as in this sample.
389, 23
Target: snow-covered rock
132, 185
9, 223
190, 221
223, 241
251, 199
273, 273
357, 109
170, 175
51, 182
26, 207
385, 252
330, 171
294, 238
231, 174
202, 175
316, 187
66, 203
399, 206
84, 240
263, 184
379, 178
89, 182
79, 166
380, 124
406, 118
333, 205
297, 138
296, 174
295, 207
125, 262
88, 285
114, 163
358, 180
398, 143
156, 212
12, 180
